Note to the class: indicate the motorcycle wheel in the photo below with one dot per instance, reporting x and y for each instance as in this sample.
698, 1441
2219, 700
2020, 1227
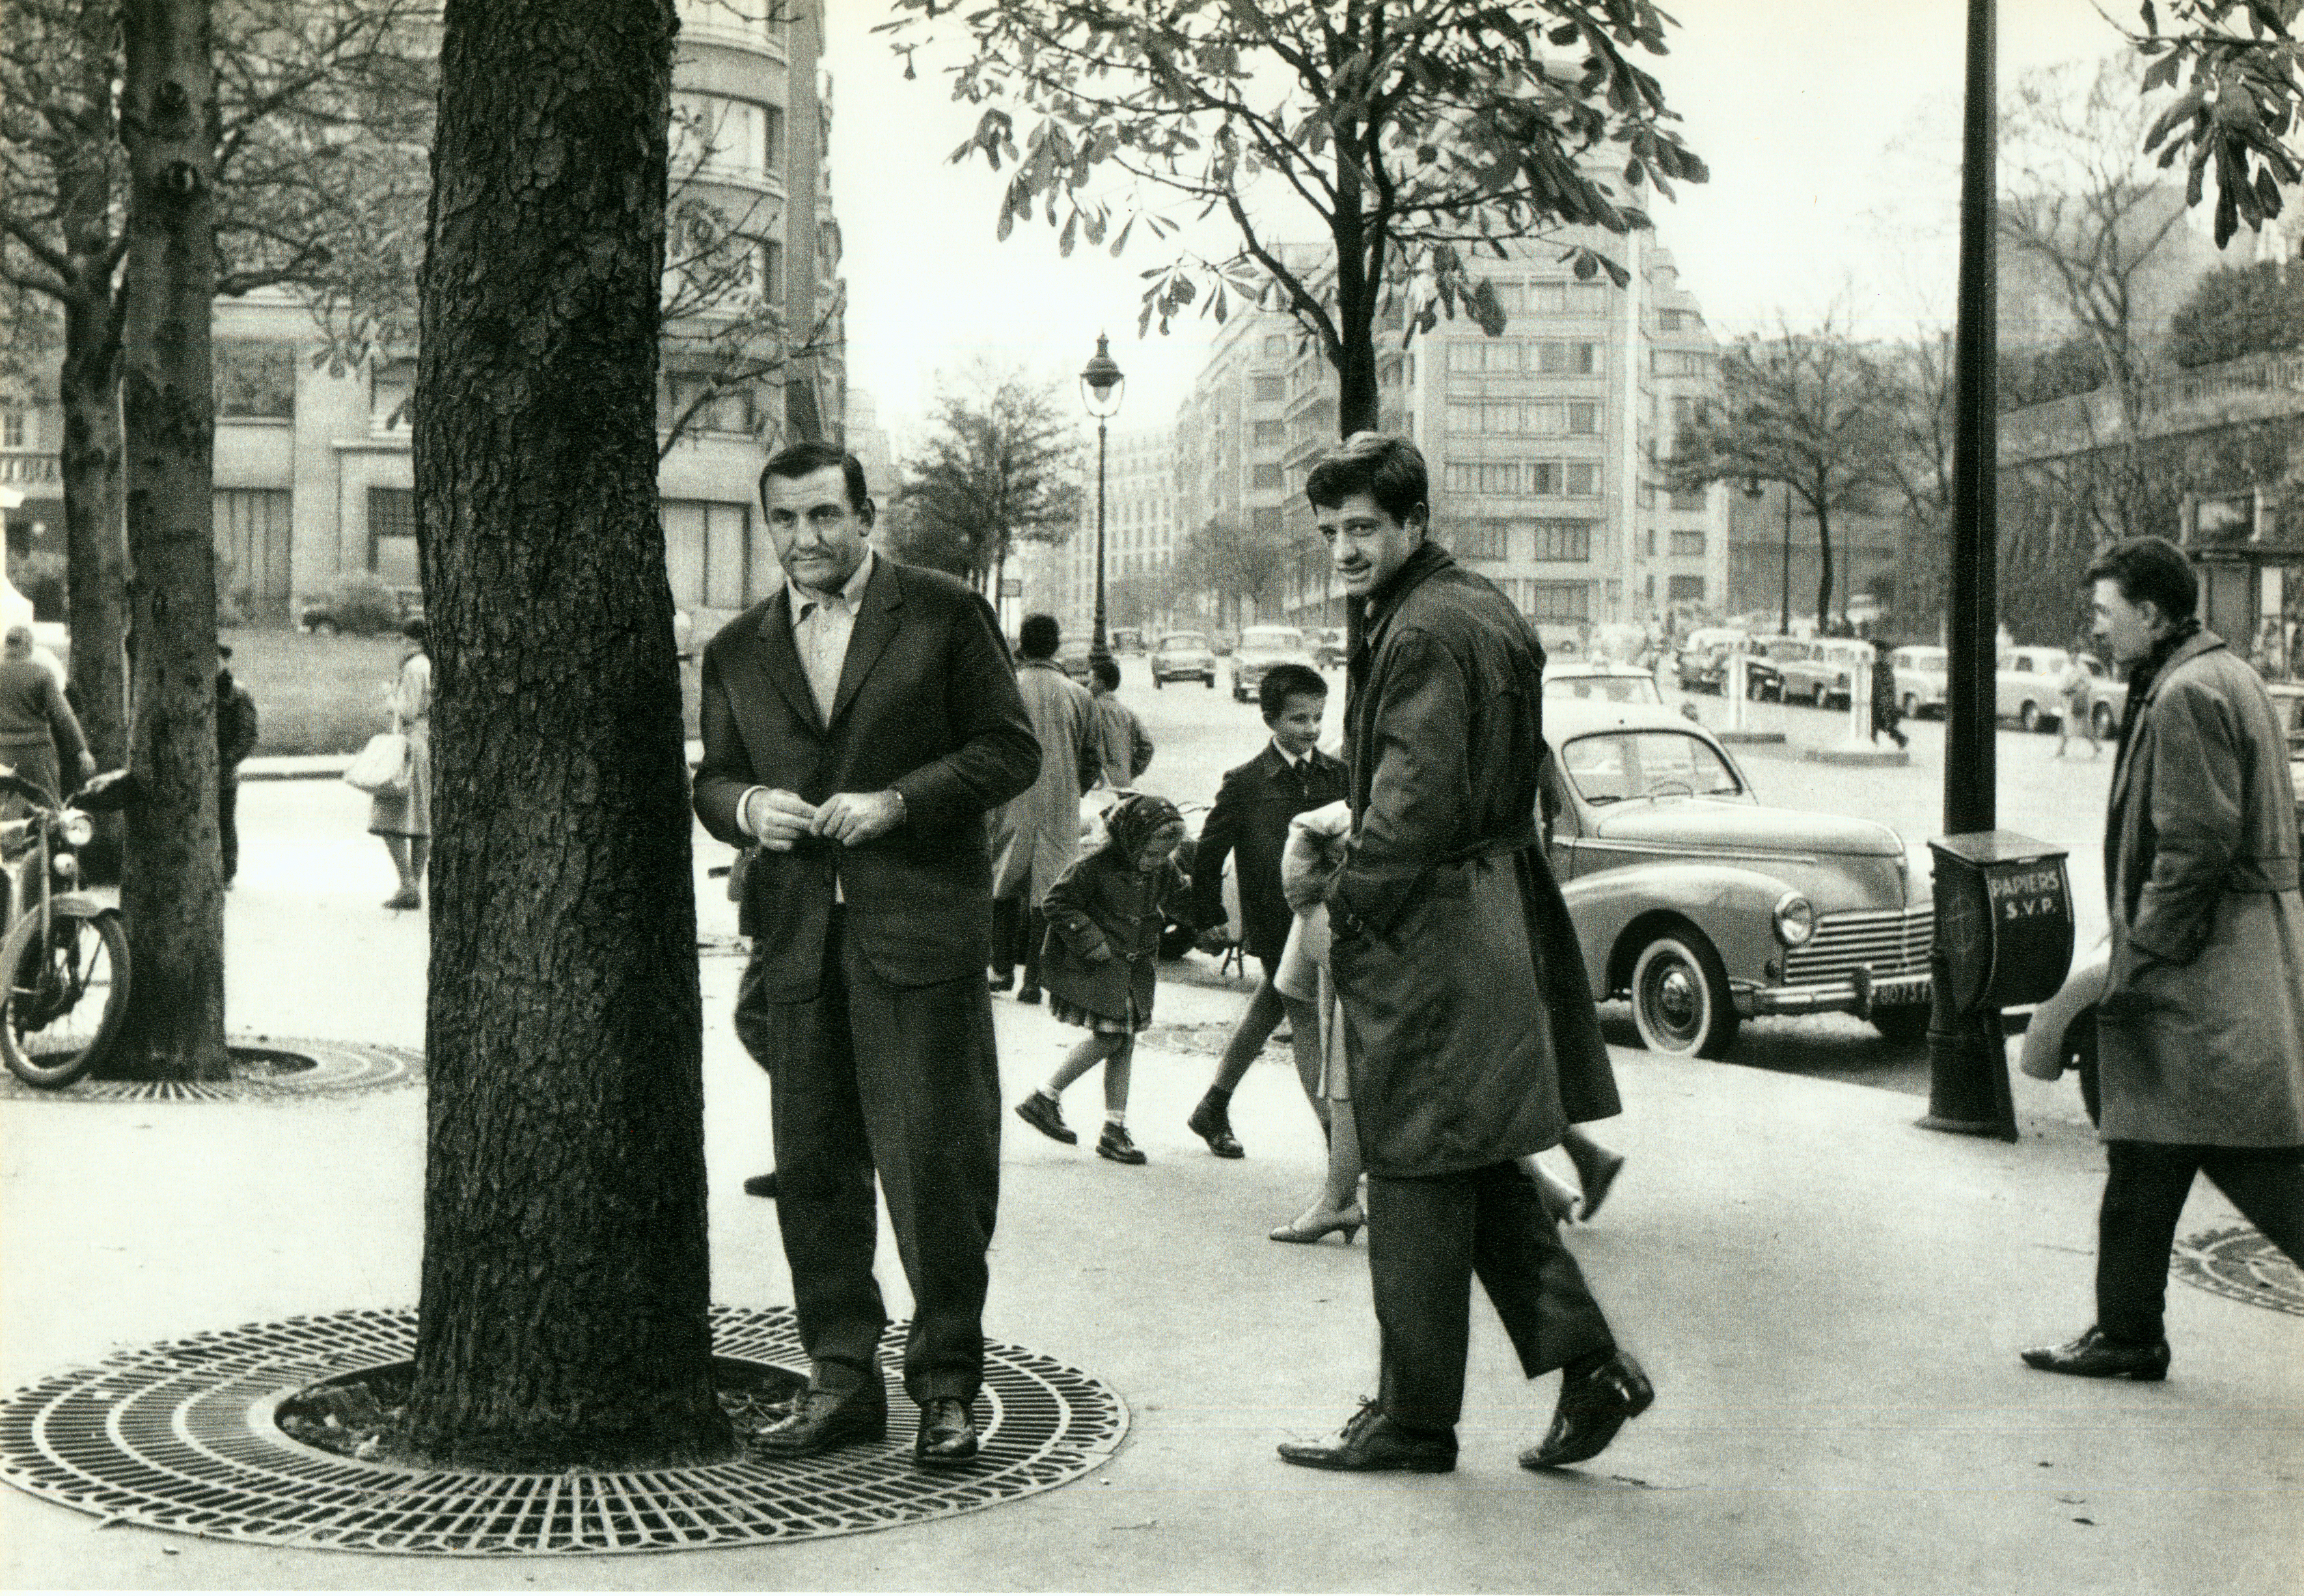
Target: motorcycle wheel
65, 995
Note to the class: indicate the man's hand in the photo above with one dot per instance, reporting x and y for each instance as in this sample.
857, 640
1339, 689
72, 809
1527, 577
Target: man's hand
851, 819
777, 818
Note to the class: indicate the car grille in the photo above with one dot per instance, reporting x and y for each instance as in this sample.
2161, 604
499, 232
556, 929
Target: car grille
1892, 941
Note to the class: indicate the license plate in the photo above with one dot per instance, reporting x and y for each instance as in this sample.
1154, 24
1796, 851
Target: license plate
1896, 991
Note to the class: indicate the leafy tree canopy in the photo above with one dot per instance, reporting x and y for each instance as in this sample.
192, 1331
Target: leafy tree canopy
1001, 464
2241, 310
2237, 68
1420, 133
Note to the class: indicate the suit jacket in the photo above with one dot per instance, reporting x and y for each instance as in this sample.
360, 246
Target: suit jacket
928, 706
1251, 821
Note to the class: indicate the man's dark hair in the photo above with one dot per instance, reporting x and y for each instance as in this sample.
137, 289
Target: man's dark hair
1286, 682
1105, 669
805, 460
2150, 568
1038, 637
1388, 470
414, 630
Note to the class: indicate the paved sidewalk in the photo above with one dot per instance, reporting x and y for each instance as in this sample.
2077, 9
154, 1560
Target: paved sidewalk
1829, 1299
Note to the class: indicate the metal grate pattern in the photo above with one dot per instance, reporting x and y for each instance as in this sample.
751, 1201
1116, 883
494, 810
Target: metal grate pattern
263, 1068
1892, 941
181, 1436
2240, 1262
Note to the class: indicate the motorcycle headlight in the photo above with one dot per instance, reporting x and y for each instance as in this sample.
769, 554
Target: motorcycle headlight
1794, 919
78, 828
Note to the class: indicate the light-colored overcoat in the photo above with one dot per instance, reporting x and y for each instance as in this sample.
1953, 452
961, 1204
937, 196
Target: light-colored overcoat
1469, 1024
1037, 836
2201, 1028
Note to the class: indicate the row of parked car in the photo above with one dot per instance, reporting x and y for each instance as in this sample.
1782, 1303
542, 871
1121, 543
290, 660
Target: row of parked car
2029, 690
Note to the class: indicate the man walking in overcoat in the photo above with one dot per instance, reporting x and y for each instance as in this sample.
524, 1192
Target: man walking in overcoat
1469, 1028
1037, 836
857, 726
2201, 1030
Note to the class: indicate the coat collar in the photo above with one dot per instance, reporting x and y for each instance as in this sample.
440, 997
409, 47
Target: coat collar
1424, 561
876, 624
2202, 641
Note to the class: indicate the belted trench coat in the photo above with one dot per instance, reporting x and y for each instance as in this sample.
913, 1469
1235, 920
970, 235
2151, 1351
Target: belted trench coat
2201, 1030
1470, 1029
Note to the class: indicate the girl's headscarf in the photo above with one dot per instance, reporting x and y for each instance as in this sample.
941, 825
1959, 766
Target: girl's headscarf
1135, 819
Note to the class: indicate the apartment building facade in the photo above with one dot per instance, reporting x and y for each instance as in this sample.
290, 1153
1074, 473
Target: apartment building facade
1142, 530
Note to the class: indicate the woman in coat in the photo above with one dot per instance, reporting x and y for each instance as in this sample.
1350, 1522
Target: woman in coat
404, 819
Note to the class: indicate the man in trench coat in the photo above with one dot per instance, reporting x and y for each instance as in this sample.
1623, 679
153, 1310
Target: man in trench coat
1035, 837
2201, 1030
1469, 1028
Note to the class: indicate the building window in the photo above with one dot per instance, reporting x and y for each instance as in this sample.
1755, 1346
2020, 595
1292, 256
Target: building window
1688, 499
1547, 298
751, 20
707, 548
1270, 433
771, 271
1668, 321
1510, 297
1559, 600
1679, 363
1544, 479
1267, 477
255, 379
1275, 344
690, 397
1487, 354
1566, 358
1588, 299
1648, 543
252, 543
1269, 388
1500, 478
1687, 543
719, 137
15, 429
1564, 540
1583, 419
1265, 518
1583, 480
1688, 589
392, 535
1486, 540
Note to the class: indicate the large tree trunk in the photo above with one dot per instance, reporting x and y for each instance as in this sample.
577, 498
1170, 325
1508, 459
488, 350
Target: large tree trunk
96, 546
566, 1286
1824, 565
172, 890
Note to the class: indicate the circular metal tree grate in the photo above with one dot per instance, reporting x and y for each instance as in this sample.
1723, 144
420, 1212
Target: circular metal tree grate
263, 1068
183, 1436
2240, 1262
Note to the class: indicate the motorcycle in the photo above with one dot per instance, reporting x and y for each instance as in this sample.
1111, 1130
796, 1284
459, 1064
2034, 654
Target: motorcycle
63, 961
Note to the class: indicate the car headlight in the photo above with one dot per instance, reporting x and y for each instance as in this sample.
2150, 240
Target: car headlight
1794, 919
78, 828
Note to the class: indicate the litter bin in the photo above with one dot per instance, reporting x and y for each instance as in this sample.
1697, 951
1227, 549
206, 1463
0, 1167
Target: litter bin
2004, 939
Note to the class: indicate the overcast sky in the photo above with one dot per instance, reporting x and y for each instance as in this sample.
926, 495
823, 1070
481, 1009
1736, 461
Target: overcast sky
1805, 110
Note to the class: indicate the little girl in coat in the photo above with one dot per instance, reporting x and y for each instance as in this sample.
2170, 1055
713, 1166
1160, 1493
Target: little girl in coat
1105, 915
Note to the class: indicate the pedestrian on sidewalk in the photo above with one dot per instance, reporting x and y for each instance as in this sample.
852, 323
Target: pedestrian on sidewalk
1886, 711
2077, 690
2200, 1028
404, 819
39, 735
235, 740
1469, 1032
1105, 915
1037, 836
858, 724
1123, 748
1248, 824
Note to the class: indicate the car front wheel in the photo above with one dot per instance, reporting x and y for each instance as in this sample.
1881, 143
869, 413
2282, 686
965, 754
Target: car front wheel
1681, 1001
2106, 722
2028, 716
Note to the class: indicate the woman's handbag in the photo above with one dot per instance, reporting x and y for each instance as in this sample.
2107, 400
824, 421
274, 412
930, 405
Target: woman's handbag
382, 767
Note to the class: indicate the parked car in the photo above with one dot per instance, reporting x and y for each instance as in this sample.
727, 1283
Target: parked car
1596, 680
1182, 656
2111, 700
2028, 687
1704, 906
1820, 670
1329, 648
1127, 640
321, 617
1763, 664
1260, 648
1922, 674
1701, 663
1071, 658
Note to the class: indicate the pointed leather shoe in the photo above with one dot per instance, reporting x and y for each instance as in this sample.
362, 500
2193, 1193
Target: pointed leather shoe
1593, 1407
947, 1433
820, 1421
2096, 1356
1372, 1443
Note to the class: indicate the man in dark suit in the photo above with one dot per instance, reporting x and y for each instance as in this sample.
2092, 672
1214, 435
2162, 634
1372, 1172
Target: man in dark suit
1250, 822
857, 726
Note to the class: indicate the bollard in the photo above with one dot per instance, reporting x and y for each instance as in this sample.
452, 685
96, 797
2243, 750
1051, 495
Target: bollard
1859, 702
1736, 684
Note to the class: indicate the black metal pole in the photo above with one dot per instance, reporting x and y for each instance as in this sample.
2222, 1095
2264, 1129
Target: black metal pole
1097, 646
1785, 629
1967, 1064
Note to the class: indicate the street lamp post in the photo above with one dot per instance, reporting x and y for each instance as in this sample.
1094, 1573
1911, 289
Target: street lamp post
1101, 384
1785, 630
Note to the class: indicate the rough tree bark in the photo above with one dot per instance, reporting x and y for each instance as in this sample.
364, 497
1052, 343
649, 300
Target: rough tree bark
564, 1313
172, 890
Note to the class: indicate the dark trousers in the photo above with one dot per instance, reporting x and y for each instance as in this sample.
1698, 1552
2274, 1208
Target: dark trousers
1019, 931
2143, 1200
902, 1081
228, 826
1428, 1238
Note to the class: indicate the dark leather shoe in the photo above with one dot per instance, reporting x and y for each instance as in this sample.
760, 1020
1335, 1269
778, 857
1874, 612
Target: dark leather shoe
1371, 1443
1001, 984
1593, 1407
1028, 994
2094, 1355
1213, 1125
820, 1421
1047, 1116
761, 1186
947, 1433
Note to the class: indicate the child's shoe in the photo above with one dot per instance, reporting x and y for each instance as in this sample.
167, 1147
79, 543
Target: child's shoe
1045, 1114
1114, 1144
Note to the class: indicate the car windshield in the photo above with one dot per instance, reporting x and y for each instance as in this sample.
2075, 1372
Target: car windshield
1611, 766
1184, 640
1272, 638
1611, 690
1923, 659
